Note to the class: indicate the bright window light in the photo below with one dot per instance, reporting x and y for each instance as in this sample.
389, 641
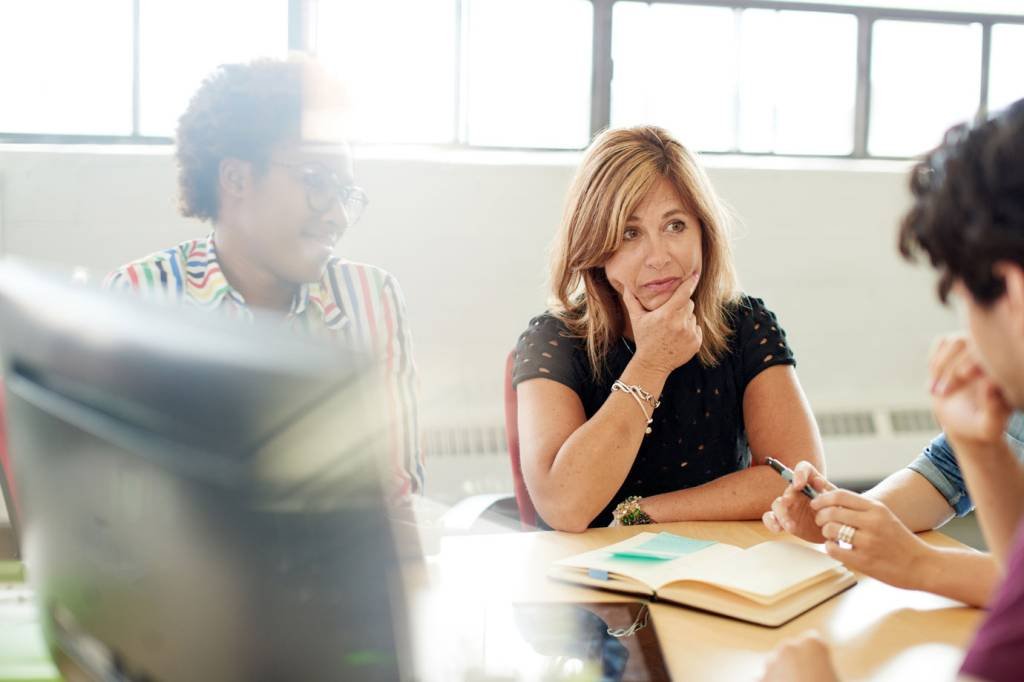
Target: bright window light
1006, 77
182, 42
398, 57
67, 67
723, 80
798, 82
925, 77
675, 67
528, 73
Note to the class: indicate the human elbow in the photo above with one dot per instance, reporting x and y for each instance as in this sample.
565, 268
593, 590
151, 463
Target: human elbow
558, 500
569, 525
562, 518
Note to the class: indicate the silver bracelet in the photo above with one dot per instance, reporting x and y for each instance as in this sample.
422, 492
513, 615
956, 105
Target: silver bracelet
640, 396
637, 391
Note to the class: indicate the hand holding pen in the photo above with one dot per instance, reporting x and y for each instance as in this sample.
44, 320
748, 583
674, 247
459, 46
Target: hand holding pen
791, 511
787, 474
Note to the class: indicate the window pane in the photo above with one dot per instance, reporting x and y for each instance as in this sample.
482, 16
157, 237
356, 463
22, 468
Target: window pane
924, 78
528, 73
798, 82
676, 67
181, 42
1006, 75
67, 67
398, 57
723, 80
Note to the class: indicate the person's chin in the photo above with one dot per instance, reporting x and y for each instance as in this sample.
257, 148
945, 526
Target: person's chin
313, 260
654, 302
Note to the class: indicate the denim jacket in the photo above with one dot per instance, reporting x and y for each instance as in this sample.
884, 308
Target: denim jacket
938, 464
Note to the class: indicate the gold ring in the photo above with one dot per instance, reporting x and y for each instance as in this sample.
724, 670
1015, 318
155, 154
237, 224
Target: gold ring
846, 534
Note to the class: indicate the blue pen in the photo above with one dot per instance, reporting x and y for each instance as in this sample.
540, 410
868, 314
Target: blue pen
787, 474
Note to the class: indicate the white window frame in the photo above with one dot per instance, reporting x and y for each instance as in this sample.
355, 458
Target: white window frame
302, 38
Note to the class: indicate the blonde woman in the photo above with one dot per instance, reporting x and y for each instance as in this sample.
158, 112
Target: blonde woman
652, 390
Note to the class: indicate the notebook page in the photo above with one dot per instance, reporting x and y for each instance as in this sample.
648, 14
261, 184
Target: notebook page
652, 572
765, 570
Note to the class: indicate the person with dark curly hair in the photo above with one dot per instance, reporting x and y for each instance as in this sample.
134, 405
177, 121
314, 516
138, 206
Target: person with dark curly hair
260, 158
968, 218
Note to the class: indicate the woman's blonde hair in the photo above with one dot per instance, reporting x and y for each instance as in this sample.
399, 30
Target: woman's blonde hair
618, 170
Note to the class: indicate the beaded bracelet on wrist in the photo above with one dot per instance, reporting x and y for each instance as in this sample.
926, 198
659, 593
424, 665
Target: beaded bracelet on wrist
629, 513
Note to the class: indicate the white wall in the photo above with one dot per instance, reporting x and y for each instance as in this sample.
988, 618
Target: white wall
467, 234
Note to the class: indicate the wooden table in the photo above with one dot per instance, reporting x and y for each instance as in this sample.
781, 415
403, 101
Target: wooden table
877, 632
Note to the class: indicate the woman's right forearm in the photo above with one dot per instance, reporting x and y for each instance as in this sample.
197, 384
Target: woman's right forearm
594, 461
913, 499
996, 481
962, 574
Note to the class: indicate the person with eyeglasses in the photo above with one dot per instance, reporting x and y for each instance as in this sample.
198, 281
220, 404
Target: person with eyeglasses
259, 158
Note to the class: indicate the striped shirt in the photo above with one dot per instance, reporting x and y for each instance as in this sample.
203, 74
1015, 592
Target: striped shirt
359, 304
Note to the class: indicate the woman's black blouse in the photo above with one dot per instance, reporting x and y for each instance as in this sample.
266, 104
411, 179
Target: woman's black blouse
698, 433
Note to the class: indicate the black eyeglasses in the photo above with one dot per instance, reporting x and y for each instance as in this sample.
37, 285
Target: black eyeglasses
323, 188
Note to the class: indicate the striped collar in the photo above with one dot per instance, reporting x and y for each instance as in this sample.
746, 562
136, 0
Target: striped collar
207, 287
205, 284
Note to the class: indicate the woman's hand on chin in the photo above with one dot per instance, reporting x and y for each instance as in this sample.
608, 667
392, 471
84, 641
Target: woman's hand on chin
668, 336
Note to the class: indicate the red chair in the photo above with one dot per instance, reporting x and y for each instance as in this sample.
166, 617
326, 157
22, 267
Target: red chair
527, 512
6, 471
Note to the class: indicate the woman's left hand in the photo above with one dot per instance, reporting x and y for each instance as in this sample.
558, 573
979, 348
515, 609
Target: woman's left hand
791, 511
804, 659
881, 547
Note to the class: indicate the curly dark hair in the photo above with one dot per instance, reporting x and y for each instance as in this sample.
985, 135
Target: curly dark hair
968, 211
240, 111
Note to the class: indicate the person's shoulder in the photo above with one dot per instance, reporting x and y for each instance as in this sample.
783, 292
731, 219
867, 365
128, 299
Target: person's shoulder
341, 271
162, 269
744, 305
547, 349
758, 339
360, 288
746, 316
748, 313
547, 324
553, 333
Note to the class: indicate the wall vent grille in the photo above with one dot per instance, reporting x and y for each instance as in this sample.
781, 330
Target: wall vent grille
913, 421
464, 441
489, 439
854, 423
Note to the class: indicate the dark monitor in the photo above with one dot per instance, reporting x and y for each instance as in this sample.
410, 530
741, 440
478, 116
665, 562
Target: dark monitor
198, 498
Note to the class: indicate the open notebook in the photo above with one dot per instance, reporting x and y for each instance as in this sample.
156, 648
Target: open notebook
768, 584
